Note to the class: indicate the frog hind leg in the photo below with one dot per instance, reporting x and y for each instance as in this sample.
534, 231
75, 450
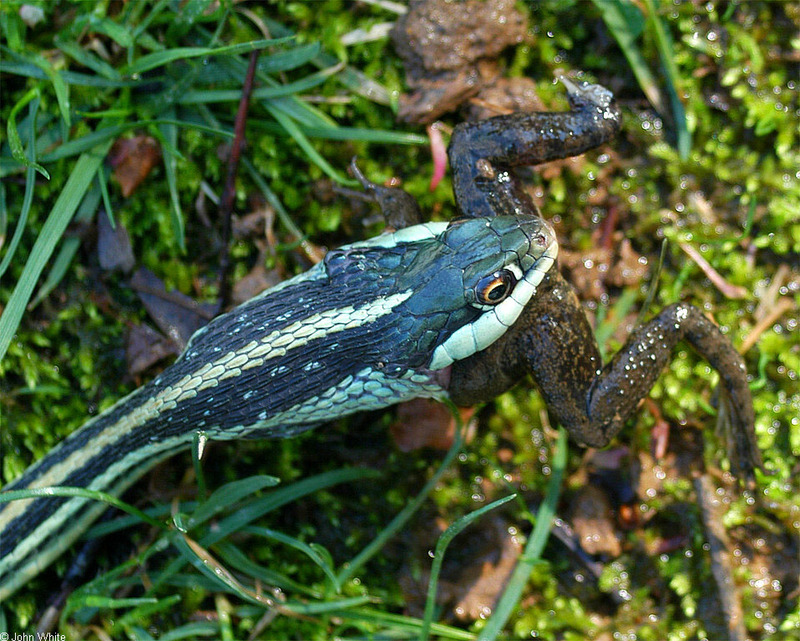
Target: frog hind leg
554, 342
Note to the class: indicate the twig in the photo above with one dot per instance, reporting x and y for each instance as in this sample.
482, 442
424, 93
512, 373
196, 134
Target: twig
228, 195
721, 569
782, 306
727, 290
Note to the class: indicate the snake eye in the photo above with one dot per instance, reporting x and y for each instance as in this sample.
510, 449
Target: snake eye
495, 287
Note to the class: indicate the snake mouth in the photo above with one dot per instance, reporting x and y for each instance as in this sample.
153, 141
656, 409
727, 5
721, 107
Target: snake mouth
538, 255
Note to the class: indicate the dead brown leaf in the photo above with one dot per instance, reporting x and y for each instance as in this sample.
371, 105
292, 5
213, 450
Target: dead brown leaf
132, 160
423, 422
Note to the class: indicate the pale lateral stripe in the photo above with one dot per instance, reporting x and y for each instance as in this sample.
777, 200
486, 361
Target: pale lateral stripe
123, 470
406, 235
291, 337
484, 331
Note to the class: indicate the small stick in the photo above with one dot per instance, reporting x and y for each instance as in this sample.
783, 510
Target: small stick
226, 202
721, 567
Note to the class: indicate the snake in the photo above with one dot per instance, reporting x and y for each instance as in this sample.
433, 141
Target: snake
375, 323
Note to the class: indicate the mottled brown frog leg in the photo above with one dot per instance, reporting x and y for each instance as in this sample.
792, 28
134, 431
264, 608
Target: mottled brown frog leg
483, 153
553, 342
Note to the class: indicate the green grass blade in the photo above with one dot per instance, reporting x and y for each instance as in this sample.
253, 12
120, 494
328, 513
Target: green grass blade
60, 86
87, 59
69, 248
289, 59
304, 114
170, 134
354, 79
186, 17
257, 508
191, 631
626, 23
144, 609
408, 511
382, 136
299, 137
30, 184
666, 51
318, 555
229, 494
406, 623
3, 215
438, 558
14, 140
106, 26
262, 93
74, 190
79, 492
29, 70
102, 180
161, 58
84, 143
253, 509
234, 558
79, 145
533, 550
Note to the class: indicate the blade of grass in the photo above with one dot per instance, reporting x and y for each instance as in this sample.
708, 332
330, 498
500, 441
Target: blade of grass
229, 494
69, 248
383, 136
87, 59
30, 184
262, 93
3, 216
161, 58
349, 569
299, 137
28, 70
61, 88
144, 609
102, 179
626, 23
74, 147
233, 557
666, 52
139, 29
106, 26
170, 133
257, 508
354, 79
318, 555
74, 190
533, 549
191, 631
438, 558
290, 59
253, 509
14, 140
80, 492
402, 622
186, 17
199, 556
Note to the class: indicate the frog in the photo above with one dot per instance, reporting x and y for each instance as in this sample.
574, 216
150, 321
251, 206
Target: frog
552, 341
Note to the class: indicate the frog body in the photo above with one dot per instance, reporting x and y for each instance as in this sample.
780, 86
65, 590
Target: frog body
552, 341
